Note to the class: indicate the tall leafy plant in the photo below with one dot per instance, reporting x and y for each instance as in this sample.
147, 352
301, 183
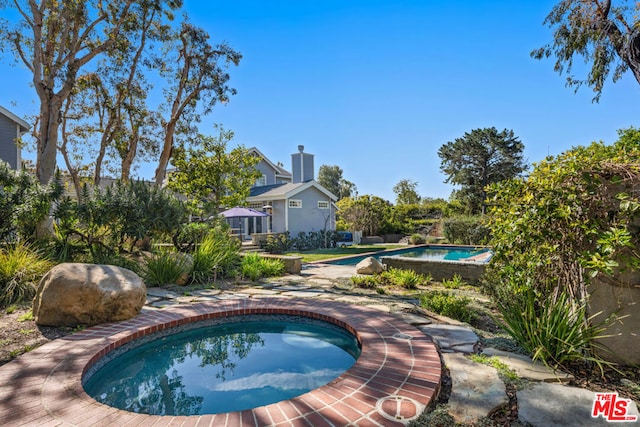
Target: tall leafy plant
216, 256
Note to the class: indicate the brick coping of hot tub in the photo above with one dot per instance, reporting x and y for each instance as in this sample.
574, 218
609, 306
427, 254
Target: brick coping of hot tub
395, 378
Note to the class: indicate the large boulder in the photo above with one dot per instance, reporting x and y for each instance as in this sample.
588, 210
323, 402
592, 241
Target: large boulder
73, 294
369, 265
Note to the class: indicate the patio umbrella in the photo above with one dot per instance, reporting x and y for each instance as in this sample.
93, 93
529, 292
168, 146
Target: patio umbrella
239, 212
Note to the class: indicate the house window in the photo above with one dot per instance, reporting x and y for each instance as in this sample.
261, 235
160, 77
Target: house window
262, 181
293, 203
257, 206
323, 204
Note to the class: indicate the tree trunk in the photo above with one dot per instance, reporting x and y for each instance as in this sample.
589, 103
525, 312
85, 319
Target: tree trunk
165, 155
127, 160
47, 139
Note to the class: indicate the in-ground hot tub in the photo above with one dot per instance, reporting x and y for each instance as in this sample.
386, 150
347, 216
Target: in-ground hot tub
222, 365
395, 378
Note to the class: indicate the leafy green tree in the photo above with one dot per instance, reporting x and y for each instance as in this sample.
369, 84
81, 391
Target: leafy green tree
481, 157
605, 35
367, 213
210, 176
406, 193
330, 177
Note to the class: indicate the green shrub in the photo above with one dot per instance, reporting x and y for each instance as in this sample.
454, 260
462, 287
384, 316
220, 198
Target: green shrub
368, 282
120, 216
407, 279
454, 283
417, 239
166, 268
393, 277
21, 267
217, 255
572, 218
254, 267
448, 304
23, 202
466, 230
278, 243
189, 234
550, 330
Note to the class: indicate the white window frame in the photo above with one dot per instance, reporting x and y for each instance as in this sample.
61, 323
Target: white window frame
295, 203
323, 204
262, 181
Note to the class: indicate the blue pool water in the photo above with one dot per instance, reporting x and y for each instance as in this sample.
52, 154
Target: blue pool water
225, 367
431, 252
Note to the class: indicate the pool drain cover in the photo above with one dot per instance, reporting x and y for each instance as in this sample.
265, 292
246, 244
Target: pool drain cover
402, 337
399, 408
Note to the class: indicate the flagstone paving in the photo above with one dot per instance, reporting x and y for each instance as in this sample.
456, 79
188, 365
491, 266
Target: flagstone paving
476, 389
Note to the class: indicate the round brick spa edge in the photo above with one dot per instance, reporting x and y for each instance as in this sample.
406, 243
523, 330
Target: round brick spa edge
395, 378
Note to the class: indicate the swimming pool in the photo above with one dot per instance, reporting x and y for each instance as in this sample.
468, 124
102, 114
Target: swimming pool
241, 363
425, 252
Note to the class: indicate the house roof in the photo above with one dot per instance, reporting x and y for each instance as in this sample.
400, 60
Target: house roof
279, 170
285, 191
24, 126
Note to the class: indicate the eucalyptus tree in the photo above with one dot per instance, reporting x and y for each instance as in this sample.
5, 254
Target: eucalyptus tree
107, 123
197, 79
56, 41
479, 158
603, 33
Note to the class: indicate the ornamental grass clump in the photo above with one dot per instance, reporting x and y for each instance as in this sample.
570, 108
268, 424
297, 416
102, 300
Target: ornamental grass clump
555, 331
407, 279
217, 255
166, 268
21, 267
254, 267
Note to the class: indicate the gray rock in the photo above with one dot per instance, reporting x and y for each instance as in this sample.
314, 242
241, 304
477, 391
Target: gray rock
413, 319
73, 294
369, 265
452, 337
552, 405
524, 367
476, 389
161, 293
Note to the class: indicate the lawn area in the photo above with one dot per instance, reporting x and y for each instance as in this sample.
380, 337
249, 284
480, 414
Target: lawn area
322, 254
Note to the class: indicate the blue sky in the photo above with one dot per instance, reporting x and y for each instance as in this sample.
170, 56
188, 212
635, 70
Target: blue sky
376, 87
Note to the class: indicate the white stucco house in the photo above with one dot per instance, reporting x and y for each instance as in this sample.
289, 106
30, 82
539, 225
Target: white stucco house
294, 201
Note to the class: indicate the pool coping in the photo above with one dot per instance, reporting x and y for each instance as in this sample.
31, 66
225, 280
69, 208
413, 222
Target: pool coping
395, 378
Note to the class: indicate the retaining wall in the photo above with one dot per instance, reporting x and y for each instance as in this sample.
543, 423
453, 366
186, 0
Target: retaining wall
470, 272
